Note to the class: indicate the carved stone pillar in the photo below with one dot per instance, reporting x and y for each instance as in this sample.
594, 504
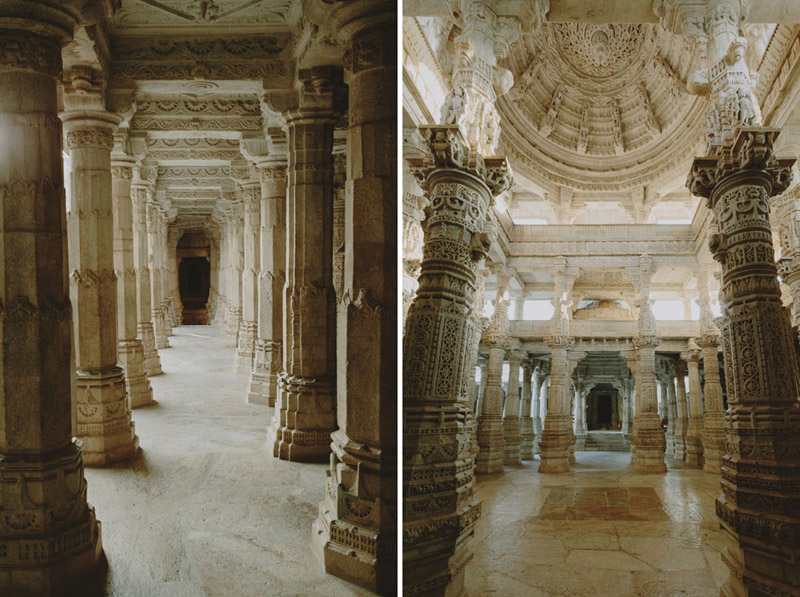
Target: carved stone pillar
525, 418
359, 548
627, 419
681, 419
103, 414
234, 276
482, 387
663, 406
166, 300
694, 433
130, 349
761, 467
714, 416
539, 389
581, 429
647, 436
248, 328
511, 435
41, 468
221, 304
144, 327
154, 261
557, 435
491, 442
267, 360
306, 403
785, 220
437, 432
669, 399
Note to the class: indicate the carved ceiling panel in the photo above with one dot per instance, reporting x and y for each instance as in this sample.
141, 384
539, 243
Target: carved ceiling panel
194, 13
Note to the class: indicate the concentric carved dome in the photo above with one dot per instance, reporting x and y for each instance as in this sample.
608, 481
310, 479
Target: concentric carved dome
600, 107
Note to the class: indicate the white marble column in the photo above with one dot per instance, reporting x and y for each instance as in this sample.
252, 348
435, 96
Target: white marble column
525, 418
539, 388
103, 414
248, 328
681, 418
235, 260
267, 359
511, 433
130, 349
154, 263
694, 433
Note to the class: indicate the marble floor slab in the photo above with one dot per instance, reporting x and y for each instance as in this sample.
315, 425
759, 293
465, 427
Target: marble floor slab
600, 530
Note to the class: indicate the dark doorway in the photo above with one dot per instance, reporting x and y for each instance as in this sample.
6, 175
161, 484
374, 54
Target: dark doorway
604, 411
194, 277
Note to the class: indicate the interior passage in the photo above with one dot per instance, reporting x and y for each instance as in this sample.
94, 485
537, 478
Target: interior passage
204, 508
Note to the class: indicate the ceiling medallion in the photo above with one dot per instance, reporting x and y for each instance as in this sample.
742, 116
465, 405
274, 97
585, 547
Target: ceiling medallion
599, 51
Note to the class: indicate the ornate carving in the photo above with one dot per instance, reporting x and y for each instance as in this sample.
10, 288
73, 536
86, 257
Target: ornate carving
90, 138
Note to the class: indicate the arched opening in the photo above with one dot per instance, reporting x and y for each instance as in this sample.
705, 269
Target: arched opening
194, 276
603, 409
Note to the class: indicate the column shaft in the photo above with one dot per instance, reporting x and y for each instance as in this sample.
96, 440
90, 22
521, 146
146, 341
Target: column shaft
681, 418
511, 434
154, 263
525, 418
152, 362
248, 328
694, 434
103, 415
268, 356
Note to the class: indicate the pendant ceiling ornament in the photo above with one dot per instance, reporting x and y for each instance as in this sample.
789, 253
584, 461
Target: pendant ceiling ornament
601, 107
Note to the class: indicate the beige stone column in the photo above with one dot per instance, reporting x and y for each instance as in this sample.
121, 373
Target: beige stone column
525, 418
221, 306
268, 357
174, 283
248, 328
694, 433
154, 263
364, 460
681, 419
439, 517
511, 435
668, 388
490, 438
306, 404
413, 215
761, 466
581, 429
41, 469
234, 275
714, 415
103, 414
130, 349
144, 327
166, 301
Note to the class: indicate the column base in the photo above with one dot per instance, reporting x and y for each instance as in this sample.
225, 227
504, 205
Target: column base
526, 438
159, 329
713, 441
354, 535
758, 506
680, 448
131, 358
694, 442
512, 439
55, 540
263, 388
104, 418
555, 444
649, 441
307, 416
152, 362
537, 435
490, 445
245, 348
580, 440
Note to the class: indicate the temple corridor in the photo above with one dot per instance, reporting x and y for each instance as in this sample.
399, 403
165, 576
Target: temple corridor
601, 529
204, 508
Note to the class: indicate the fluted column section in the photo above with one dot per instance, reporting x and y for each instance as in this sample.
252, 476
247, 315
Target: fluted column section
694, 433
268, 356
364, 459
306, 401
154, 263
681, 418
103, 414
248, 328
41, 467
525, 418
714, 415
130, 349
758, 509
144, 327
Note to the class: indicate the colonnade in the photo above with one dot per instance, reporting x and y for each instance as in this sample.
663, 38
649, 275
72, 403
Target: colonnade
275, 300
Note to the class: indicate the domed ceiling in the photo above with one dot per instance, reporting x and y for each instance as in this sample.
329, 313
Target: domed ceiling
600, 107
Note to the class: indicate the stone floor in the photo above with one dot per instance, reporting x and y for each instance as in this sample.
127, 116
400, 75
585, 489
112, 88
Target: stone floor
206, 510
600, 530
